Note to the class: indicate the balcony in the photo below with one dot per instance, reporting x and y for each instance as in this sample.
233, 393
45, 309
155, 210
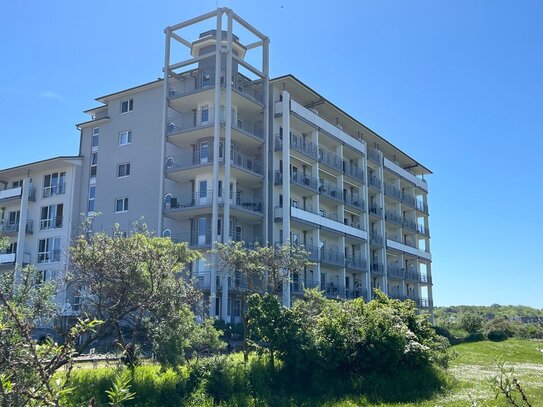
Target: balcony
332, 256
376, 238
374, 182
355, 201
194, 200
52, 223
250, 241
331, 191
327, 220
374, 210
411, 274
188, 121
375, 156
197, 80
51, 256
304, 180
409, 223
393, 217
247, 203
408, 199
396, 237
8, 258
425, 278
354, 172
16, 193
10, 228
189, 159
194, 238
298, 143
422, 230
395, 271
392, 191
52, 190
377, 268
356, 263
422, 207
425, 303
352, 293
330, 160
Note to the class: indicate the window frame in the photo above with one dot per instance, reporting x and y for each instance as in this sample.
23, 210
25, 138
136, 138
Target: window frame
127, 170
128, 135
124, 204
129, 105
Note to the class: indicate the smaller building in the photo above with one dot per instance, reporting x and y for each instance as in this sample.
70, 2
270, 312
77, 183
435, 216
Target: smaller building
39, 213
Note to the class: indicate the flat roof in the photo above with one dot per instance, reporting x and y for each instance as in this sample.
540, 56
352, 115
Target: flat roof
326, 101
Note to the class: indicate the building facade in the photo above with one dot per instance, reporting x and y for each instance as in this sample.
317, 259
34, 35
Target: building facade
218, 151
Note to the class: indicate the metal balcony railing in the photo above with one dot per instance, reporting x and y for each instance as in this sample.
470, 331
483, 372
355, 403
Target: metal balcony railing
51, 223
11, 193
395, 237
13, 227
52, 190
355, 172
376, 238
421, 206
425, 278
354, 200
307, 148
374, 210
330, 191
332, 256
194, 238
377, 268
304, 180
392, 191
49, 256
422, 230
409, 223
356, 262
394, 270
393, 217
331, 160
196, 199
375, 156
408, 199
374, 182
248, 203
204, 79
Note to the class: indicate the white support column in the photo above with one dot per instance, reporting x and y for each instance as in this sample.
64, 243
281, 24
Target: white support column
286, 185
268, 141
227, 159
165, 93
215, 183
21, 233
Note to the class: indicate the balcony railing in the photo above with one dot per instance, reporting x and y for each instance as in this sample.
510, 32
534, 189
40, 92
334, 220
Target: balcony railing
206, 117
412, 275
194, 238
394, 270
422, 230
201, 80
375, 156
17, 192
374, 182
351, 293
355, 172
247, 163
49, 257
307, 148
421, 206
331, 160
425, 278
332, 256
248, 203
408, 199
356, 262
196, 199
53, 190
13, 227
376, 238
250, 241
51, 223
377, 268
354, 200
374, 210
304, 180
393, 217
392, 191
278, 178
330, 191
409, 223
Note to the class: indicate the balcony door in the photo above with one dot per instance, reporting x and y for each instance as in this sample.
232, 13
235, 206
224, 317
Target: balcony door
202, 225
204, 152
202, 192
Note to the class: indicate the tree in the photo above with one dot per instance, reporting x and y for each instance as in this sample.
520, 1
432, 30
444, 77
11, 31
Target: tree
27, 366
471, 322
139, 287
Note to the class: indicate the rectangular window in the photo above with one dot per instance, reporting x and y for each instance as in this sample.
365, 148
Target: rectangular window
127, 105
95, 136
205, 114
51, 217
125, 137
121, 205
92, 193
123, 170
294, 203
54, 184
94, 165
49, 250
17, 184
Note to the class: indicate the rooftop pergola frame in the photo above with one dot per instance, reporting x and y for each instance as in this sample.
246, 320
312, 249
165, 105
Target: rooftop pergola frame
223, 54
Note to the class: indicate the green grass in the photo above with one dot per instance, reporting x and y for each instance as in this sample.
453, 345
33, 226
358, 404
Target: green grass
468, 376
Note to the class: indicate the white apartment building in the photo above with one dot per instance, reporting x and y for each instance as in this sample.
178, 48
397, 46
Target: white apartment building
39, 213
204, 159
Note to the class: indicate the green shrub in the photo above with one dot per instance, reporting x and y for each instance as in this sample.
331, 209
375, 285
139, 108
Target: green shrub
499, 329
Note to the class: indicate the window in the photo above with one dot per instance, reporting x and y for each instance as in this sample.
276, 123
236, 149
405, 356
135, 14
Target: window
205, 114
204, 152
92, 193
13, 221
322, 212
17, 184
127, 105
41, 276
95, 137
51, 217
49, 250
219, 227
294, 203
121, 205
125, 137
94, 165
123, 170
54, 184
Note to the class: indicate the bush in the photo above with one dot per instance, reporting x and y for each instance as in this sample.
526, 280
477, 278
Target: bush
499, 329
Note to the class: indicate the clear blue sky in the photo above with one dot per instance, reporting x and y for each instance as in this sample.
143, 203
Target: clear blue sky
457, 84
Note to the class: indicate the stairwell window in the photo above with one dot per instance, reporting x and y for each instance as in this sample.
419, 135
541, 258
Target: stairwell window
121, 205
127, 105
92, 194
95, 137
123, 170
125, 137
